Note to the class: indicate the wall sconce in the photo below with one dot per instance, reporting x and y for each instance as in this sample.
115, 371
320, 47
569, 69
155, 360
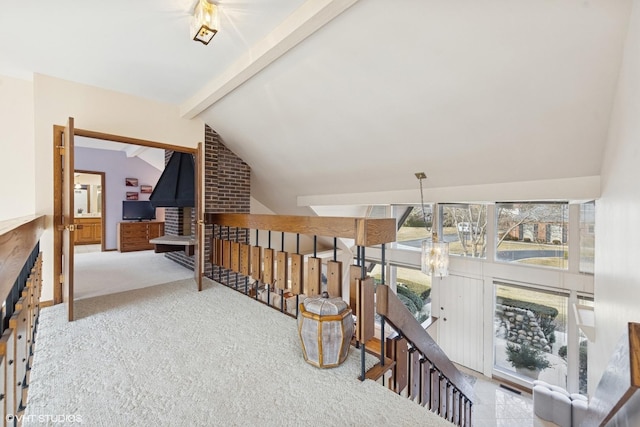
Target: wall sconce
435, 254
205, 22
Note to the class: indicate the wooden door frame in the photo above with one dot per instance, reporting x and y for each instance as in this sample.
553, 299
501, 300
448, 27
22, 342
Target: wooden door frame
58, 132
103, 199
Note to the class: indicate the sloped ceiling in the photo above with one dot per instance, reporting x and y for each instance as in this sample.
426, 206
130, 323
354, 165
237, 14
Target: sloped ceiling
482, 92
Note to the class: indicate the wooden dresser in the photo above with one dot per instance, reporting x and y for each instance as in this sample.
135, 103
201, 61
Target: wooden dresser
135, 236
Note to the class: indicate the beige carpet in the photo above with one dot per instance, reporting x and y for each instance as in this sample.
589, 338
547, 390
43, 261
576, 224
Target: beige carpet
170, 356
102, 273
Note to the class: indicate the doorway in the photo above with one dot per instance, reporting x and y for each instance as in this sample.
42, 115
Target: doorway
89, 205
63, 229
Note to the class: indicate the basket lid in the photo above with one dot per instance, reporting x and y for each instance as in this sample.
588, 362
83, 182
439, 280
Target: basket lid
325, 306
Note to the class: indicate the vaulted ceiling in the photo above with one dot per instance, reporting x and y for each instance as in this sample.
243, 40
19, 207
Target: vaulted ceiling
330, 99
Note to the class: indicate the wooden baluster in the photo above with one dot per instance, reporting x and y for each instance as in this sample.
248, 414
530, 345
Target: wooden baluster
334, 278
398, 348
442, 396
450, 389
425, 399
456, 407
256, 263
235, 257
245, 261
282, 272
435, 391
365, 326
268, 276
314, 278
297, 274
226, 254
467, 413
414, 393
282, 262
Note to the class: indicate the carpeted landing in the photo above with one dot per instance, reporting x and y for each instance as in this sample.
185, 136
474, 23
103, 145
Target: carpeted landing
168, 355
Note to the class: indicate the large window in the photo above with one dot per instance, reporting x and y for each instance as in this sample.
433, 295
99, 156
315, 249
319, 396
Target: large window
533, 233
531, 333
464, 226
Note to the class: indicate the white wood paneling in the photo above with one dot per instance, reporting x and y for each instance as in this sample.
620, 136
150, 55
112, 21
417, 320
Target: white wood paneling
461, 332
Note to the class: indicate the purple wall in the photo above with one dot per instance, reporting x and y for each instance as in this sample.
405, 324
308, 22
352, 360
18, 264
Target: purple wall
116, 166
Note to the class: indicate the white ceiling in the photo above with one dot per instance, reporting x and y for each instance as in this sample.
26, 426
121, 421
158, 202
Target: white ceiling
479, 92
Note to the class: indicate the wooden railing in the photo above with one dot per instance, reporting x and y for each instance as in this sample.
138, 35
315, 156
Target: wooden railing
20, 285
278, 273
421, 368
612, 400
278, 277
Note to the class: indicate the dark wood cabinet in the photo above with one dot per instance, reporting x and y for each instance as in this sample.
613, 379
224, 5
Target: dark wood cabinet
135, 236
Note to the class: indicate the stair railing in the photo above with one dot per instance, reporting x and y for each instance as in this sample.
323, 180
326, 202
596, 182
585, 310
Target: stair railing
420, 366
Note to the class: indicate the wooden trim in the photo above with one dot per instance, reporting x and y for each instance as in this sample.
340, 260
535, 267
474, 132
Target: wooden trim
134, 141
57, 214
365, 231
47, 303
18, 237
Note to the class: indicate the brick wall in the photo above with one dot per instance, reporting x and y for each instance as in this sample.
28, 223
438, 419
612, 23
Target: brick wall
227, 189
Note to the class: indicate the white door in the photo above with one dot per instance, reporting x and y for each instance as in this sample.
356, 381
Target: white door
461, 329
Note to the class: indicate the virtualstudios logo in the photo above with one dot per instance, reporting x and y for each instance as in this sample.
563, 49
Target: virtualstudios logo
45, 418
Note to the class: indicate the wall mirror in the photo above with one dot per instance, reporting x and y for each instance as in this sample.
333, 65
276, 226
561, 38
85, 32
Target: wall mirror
87, 194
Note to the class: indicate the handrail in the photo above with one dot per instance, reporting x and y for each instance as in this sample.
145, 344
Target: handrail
396, 314
18, 237
365, 231
619, 382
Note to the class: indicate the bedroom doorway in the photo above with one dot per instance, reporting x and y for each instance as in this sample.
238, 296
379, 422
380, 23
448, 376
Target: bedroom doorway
65, 226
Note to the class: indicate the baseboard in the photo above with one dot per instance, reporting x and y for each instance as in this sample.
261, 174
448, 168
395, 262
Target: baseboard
47, 303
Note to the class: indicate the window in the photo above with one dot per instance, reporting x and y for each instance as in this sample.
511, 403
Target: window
412, 286
413, 228
587, 236
533, 233
530, 332
464, 226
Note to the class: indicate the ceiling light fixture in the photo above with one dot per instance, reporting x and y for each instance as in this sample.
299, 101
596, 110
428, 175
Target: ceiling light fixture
205, 22
435, 254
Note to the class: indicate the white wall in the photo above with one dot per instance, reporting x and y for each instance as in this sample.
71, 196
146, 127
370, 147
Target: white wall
17, 174
98, 110
617, 276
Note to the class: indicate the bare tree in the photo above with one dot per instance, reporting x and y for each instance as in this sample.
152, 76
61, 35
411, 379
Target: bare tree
470, 222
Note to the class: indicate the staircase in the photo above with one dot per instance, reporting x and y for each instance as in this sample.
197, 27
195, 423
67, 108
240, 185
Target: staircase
414, 365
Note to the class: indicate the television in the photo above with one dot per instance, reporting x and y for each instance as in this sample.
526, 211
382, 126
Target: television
137, 210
